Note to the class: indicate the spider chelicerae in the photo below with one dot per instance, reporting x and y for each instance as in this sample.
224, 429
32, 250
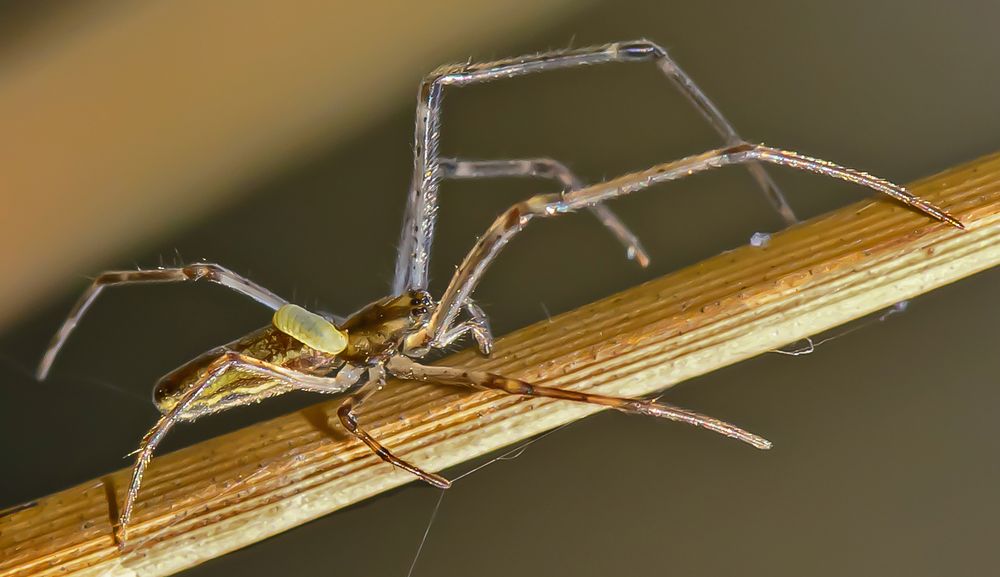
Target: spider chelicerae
308, 351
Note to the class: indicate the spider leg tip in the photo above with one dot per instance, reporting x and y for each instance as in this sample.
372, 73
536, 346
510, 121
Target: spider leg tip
120, 538
755, 441
440, 482
941, 214
44, 365
948, 218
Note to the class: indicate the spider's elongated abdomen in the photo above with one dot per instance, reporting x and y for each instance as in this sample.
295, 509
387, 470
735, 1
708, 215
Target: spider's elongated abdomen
236, 386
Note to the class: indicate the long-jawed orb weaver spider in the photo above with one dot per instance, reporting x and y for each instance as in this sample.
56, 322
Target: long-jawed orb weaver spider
308, 351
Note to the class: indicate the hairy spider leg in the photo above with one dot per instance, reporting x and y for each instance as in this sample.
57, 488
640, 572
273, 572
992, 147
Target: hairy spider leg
210, 272
516, 218
478, 325
455, 168
408, 369
376, 381
421, 210
200, 390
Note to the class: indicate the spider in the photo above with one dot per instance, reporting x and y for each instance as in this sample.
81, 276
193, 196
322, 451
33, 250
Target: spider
317, 352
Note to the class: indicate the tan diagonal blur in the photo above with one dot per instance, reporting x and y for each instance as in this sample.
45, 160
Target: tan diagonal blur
156, 111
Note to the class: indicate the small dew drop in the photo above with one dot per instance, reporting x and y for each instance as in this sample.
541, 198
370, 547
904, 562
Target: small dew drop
760, 239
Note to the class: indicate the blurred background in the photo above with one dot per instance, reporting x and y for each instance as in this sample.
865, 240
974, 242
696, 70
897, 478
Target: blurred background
275, 138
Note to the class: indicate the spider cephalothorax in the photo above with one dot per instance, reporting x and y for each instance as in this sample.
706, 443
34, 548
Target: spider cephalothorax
307, 351
380, 328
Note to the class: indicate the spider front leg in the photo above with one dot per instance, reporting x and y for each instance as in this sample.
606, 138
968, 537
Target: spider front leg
376, 380
478, 325
407, 369
515, 219
211, 272
421, 211
454, 168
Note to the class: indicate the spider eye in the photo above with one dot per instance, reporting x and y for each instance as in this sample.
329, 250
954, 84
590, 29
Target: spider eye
420, 297
418, 311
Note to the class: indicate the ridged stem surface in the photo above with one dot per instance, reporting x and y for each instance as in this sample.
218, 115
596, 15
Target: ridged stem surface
228, 492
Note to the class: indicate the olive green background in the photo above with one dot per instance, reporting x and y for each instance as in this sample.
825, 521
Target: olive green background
886, 440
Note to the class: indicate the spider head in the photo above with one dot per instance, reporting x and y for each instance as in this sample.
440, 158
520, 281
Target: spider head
420, 305
382, 325
398, 314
